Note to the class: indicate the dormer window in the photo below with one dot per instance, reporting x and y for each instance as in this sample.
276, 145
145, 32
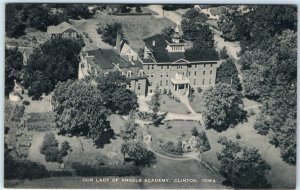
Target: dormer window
129, 73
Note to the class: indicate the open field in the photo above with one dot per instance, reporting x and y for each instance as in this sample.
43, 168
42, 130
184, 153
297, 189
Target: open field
135, 28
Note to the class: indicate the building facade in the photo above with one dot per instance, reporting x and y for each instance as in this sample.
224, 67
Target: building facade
167, 64
64, 30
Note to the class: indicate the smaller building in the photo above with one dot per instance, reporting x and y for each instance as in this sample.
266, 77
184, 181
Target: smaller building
102, 61
64, 30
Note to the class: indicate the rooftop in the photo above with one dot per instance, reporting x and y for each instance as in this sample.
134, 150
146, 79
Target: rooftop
58, 29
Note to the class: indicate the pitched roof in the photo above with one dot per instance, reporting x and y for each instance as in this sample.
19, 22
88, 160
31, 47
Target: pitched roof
106, 58
60, 28
162, 55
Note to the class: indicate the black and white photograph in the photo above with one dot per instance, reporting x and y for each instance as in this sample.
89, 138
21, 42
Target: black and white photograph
150, 96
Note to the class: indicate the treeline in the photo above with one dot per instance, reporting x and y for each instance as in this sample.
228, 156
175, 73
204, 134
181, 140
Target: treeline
39, 16
268, 38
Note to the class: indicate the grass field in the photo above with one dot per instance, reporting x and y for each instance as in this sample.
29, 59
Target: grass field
170, 105
135, 28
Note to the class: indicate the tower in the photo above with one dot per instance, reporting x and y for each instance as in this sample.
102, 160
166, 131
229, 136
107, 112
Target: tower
118, 42
176, 35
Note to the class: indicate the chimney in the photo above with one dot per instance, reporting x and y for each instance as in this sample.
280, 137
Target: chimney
118, 42
153, 43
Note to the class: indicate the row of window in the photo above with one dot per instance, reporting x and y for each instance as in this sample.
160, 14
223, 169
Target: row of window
176, 48
138, 86
73, 34
189, 73
178, 66
195, 81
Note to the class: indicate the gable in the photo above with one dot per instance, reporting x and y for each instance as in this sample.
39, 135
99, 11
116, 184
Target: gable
69, 31
181, 61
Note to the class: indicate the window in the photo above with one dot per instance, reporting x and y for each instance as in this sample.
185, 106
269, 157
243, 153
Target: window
129, 73
139, 86
203, 72
148, 75
161, 75
160, 83
152, 66
152, 75
141, 73
211, 65
203, 81
183, 73
209, 81
167, 75
151, 83
210, 71
195, 66
129, 86
167, 66
204, 65
74, 34
148, 67
195, 73
167, 82
189, 73
194, 81
162, 67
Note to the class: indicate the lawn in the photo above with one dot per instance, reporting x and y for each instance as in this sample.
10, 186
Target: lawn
178, 130
281, 176
197, 102
135, 28
171, 105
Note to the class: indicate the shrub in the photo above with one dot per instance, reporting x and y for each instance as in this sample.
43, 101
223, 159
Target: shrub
173, 148
26, 103
251, 112
222, 140
199, 89
19, 111
128, 169
238, 136
223, 53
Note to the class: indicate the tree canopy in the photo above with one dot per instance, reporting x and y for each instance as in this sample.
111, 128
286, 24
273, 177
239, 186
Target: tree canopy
56, 60
243, 167
13, 68
79, 111
228, 74
222, 107
110, 31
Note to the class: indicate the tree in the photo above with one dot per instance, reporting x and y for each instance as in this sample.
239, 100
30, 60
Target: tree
228, 74
77, 11
79, 111
223, 53
109, 33
202, 142
50, 149
115, 95
168, 30
137, 151
154, 102
195, 131
243, 167
13, 68
222, 107
130, 130
14, 24
56, 60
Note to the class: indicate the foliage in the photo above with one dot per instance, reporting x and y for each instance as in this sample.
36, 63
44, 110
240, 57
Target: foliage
194, 28
77, 11
80, 111
138, 153
51, 151
168, 30
109, 33
195, 131
228, 74
13, 68
14, 24
22, 169
56, 60
127, 169
130, 130
158, 118
18, 114
223, 53
154, 102
222, 106
202, 142
243, 167
173, 148
115, 96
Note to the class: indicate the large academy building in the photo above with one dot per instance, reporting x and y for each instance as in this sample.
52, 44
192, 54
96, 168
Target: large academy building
167, 63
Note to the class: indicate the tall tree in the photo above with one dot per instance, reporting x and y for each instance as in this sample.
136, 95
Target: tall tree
243, 167
56, 60
222, 107
228, 74
79, 111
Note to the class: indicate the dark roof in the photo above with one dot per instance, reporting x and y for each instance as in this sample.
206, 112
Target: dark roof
60, 28
106, 57
162, 55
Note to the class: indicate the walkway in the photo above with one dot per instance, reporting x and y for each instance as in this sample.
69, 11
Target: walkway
171, 15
